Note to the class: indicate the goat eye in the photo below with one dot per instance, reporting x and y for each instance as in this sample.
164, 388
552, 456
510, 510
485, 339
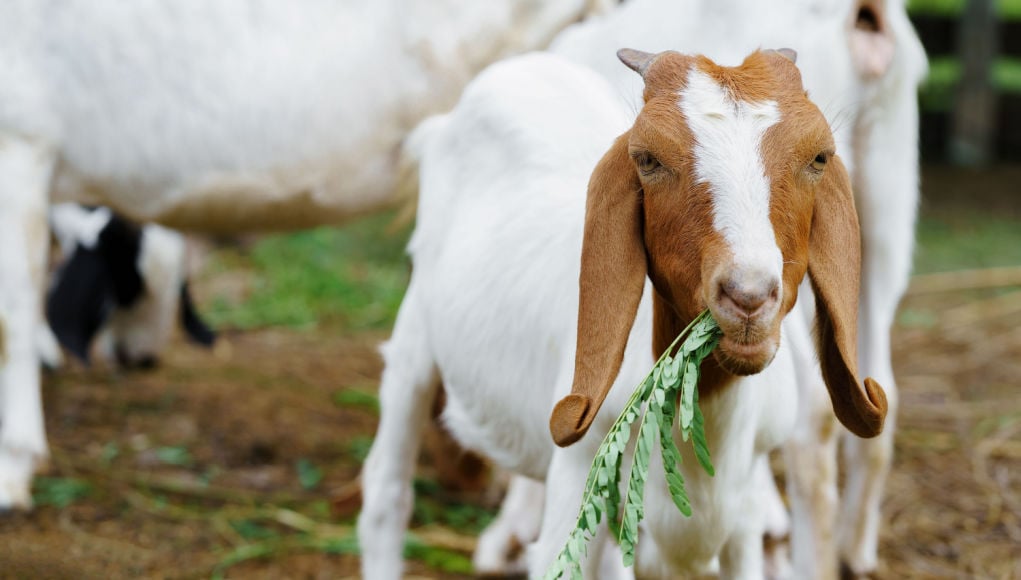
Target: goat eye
647, 164
819, 163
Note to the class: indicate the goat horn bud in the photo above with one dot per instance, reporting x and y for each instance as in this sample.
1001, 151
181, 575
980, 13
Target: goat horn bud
636, 60
788, 53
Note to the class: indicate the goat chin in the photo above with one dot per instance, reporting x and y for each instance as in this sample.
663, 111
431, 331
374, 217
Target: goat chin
745, 359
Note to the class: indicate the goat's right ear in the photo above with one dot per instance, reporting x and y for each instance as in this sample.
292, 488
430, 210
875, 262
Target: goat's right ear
80, 301
613, 270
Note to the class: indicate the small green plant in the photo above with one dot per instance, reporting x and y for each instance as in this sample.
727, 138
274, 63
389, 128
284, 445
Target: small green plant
668, 393
59, 491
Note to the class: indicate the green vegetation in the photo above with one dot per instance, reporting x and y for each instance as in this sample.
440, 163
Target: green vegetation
1006, 8
937, 93
354, 276
59, 492
309, 475
357, 399
669, 395
966, 240
433, 505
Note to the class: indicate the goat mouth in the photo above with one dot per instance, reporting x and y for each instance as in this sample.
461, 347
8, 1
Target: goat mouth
745, 358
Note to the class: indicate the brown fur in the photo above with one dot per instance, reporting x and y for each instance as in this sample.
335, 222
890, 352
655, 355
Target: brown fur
659, 223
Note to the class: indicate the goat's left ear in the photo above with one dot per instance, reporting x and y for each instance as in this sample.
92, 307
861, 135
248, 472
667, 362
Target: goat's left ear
834, 265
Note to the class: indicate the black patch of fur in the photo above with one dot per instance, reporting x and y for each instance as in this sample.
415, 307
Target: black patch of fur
197, 330
92, 283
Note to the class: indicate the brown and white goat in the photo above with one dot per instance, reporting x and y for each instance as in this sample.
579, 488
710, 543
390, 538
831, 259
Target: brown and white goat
723, 193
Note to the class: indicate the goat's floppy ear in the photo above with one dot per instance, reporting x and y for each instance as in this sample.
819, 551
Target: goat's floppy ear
613, 269
197, 330
81, 300
834, 264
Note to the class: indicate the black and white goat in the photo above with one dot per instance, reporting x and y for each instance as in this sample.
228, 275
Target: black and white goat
120, 282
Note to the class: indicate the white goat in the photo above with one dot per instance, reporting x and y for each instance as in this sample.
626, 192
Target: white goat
216, 116
861, 62
724, 192
123, 283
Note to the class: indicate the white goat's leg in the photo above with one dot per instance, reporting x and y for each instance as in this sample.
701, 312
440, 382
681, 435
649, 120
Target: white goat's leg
565, 484
886, 188
867, 461
25, 172
501, 547
810, 458
742, 556
778, 521
776, 549
407, 391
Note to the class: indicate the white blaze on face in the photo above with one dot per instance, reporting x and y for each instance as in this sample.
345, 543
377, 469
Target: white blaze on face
728, 143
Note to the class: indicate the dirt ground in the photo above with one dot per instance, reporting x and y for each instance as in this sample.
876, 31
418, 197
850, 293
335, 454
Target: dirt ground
231, 456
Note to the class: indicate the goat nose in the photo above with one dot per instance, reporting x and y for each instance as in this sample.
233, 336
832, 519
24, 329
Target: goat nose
747, 298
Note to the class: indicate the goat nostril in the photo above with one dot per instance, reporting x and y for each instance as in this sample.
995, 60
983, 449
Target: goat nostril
747, 302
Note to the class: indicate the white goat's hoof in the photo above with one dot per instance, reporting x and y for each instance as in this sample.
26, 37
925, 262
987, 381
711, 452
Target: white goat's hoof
499, 553
777, 557
847, 573
16, 469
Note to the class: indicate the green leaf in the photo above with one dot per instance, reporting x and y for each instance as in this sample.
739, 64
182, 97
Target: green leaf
672, 461
634, 508
669, 379
688, 386
699, 441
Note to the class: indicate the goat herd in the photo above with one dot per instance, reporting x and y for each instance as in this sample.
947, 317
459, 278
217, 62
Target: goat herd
572, 217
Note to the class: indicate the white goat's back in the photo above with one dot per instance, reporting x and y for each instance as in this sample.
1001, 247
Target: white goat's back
244, 114
503, 183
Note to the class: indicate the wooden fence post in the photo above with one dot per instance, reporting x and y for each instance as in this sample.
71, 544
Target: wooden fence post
974, 131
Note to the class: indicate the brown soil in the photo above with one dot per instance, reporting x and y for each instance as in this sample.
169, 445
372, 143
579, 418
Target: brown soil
249, 411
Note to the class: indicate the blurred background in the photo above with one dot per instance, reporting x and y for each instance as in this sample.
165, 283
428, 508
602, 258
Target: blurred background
242, 461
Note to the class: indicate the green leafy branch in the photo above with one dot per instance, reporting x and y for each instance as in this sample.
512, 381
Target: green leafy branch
672, 383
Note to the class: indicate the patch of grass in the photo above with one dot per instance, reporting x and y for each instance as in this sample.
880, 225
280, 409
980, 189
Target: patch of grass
357, 398
355, 275
437, 558
249, 530
966, 240
431, 507
917, 318
59, 492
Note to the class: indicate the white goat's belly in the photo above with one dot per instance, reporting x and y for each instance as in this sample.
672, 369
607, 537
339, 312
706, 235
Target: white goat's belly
224, 201
509, 439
